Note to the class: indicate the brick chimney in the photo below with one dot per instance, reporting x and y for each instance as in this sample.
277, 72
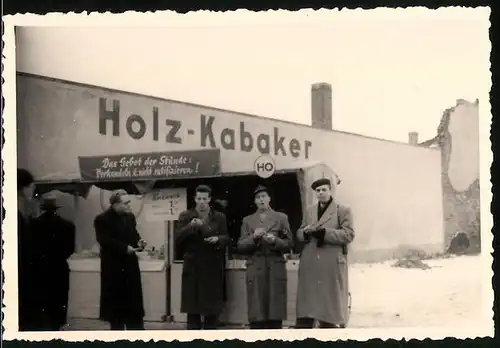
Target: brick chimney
321, 105
413, 138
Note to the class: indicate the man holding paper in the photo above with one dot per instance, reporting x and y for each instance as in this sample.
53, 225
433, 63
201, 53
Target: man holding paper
322, 292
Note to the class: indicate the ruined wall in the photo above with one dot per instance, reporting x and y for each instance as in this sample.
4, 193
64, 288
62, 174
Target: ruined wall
458, 138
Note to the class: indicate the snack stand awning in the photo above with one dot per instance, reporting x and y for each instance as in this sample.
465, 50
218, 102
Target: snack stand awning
138, 173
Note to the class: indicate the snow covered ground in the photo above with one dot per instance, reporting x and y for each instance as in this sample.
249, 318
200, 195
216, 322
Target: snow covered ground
450, 294
447, 294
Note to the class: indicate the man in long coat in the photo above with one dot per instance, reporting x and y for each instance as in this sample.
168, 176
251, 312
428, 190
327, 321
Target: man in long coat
265, 237
121, 288
322, 292
28, 303
55, 241
201, 238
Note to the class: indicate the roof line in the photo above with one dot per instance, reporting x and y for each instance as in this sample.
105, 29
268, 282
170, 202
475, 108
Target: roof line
114, 90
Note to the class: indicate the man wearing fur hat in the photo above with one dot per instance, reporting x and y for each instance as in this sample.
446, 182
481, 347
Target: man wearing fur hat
322, 293
55, 242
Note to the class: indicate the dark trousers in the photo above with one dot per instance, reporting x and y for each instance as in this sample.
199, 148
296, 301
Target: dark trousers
268, 324
195, 322
127, 324
308, 323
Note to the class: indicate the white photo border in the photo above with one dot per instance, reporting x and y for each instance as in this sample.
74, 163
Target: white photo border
131, 18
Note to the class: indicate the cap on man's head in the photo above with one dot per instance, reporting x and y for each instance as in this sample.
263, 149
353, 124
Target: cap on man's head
259, 189
116, 196
49, 203
321, 182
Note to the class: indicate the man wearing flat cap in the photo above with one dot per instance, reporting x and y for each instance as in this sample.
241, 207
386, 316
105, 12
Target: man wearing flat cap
265, 237
327, 229
121, 301
55, 242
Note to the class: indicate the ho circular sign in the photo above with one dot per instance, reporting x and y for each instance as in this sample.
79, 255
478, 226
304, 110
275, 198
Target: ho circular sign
264, 166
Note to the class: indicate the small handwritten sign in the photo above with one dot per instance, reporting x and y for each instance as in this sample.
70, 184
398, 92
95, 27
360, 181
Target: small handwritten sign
165, 204
150, 166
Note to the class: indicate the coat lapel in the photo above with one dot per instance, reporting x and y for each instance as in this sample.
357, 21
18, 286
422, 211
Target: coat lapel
254, 220
313, 214
328, 214
269, 221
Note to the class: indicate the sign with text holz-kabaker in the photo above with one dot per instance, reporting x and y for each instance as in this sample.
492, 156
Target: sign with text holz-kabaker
150, 166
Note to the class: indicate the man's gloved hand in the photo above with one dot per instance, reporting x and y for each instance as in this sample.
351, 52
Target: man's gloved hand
319, 234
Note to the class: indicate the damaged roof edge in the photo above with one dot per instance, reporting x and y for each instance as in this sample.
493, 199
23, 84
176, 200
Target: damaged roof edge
443, 123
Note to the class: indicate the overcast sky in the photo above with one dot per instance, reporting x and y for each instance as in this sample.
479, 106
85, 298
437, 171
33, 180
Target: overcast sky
390, 74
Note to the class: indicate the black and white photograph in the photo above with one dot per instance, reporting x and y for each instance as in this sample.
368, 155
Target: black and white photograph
265, 175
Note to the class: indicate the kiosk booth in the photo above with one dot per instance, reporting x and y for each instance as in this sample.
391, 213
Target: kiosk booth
157, 202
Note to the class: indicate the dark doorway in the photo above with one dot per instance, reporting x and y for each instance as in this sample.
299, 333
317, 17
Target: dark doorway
237, 191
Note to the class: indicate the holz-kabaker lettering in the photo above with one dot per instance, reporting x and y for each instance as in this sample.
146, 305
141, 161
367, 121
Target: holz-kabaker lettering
172, 131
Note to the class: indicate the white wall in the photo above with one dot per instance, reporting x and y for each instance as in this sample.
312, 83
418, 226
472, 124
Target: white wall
463, 168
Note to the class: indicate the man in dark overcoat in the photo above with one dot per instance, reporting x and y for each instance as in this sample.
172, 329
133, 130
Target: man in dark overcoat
201, 238
55, 241
265, 237
121, 301
28, 304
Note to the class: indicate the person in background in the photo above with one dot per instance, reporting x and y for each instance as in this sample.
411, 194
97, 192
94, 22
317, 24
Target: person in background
55, 241
28, 311
201, 238
265, 237
121, 302
322, 292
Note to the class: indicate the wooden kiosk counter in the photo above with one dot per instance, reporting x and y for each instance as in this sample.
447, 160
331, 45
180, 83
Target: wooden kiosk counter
85, 286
